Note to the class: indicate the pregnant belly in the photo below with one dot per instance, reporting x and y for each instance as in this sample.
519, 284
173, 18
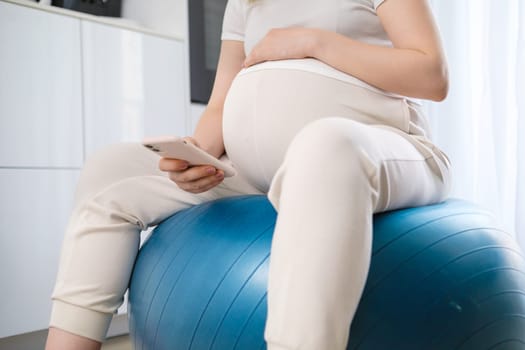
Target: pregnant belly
265, 109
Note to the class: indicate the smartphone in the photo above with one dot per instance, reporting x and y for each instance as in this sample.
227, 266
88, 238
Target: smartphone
178, 148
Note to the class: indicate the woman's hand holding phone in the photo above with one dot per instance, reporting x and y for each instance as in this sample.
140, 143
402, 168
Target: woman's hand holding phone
191, 178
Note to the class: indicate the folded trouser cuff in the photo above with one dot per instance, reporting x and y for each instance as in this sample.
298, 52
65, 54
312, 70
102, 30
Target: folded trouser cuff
80, 321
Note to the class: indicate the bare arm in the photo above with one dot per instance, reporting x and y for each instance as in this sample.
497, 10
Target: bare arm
415, 65
209, 129
208, 134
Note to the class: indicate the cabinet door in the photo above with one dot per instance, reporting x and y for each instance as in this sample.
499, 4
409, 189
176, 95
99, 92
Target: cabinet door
34, 209
134, 85
40, 89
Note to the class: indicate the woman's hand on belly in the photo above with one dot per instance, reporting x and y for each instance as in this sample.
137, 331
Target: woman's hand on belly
194, 179
282, 44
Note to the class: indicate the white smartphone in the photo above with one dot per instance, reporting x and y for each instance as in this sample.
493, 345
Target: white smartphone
178, 148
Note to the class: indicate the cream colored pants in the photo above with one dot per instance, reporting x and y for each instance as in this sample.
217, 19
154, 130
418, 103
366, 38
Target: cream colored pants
328, 153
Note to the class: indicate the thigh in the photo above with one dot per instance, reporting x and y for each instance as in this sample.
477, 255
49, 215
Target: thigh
410, 171
402, 170
126, 176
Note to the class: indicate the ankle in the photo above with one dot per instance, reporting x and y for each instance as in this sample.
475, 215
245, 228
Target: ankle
58, 339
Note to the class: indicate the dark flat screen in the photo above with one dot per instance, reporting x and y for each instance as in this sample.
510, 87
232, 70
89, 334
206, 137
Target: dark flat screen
205, 25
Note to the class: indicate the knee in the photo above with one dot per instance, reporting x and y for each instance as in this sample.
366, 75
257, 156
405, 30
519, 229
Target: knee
110, 156
111, 164
331, 157
330, 141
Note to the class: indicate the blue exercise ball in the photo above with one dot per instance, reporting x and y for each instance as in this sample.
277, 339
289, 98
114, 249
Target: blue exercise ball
442, 277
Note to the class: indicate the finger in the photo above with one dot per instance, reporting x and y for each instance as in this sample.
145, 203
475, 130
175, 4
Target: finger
203, 184
192, 174
170, 164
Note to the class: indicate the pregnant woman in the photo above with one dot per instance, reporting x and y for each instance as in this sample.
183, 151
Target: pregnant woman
315, 105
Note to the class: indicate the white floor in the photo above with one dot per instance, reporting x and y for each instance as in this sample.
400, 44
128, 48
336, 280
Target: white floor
118, 343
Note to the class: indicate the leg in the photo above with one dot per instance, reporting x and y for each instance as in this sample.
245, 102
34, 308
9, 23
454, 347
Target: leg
120, 192
336, 174
60, 339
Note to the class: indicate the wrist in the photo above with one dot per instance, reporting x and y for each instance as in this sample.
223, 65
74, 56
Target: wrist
215, 149
317, 39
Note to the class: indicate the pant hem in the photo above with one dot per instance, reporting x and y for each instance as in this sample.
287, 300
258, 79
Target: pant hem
80, 321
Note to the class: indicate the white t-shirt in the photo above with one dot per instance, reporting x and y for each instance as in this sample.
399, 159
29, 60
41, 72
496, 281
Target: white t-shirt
250, 21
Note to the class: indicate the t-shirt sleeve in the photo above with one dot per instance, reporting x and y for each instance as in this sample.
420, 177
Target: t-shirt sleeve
377, 3
233, 24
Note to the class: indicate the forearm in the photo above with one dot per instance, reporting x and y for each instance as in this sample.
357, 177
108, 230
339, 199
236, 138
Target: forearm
408, 72
208, 132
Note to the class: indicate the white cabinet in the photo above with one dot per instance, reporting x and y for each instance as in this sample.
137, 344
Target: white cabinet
40, 89
196, 110
34, 211
134, 85
69, 85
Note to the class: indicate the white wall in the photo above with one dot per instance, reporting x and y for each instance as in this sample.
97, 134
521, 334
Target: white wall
167, 16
